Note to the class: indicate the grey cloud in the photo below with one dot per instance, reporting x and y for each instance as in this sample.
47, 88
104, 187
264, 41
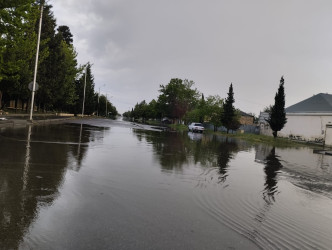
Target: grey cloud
137, 45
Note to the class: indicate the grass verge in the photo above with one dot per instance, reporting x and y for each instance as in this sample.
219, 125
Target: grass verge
253, 138
278, 142
179, 127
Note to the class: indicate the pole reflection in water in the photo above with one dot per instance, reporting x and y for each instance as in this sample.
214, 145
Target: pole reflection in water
27, 160
79, 141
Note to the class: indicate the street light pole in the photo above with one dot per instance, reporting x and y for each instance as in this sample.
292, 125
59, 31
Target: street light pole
84, 91
36, 62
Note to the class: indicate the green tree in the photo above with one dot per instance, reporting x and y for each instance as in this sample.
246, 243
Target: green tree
277, 116
66, 79
152, 110
17, 48
60, 81
112, 111
141, 111
177, 98
228, 116
193, 115
235, 122
127, 114
201, 107
207, 110
103, 103
214, 110
59, 70
66, 34
49, 68
90, 104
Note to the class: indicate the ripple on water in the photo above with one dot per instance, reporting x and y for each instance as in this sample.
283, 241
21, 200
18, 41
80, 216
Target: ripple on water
284, 221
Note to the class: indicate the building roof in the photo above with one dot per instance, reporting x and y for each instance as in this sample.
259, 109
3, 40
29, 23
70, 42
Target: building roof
244, 114
320, 103
263, 116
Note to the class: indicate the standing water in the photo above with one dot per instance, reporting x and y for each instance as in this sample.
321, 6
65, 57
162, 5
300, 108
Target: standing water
100, 184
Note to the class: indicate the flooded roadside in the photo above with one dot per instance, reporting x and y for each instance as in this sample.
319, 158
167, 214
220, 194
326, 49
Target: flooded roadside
112, 184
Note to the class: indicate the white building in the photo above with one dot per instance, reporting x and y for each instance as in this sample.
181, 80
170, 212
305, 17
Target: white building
310, 120
264, 127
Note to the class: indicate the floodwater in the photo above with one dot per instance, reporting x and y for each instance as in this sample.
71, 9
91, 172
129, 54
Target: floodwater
104, 184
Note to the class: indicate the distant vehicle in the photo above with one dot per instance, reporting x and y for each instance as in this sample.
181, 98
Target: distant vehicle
195, 136
196, 127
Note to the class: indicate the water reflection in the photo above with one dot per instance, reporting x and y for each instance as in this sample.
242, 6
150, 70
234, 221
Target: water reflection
32, 168
262, 201
226, 150
271, 169
174, 151
301, 166
148, 181
171, 149
27, 159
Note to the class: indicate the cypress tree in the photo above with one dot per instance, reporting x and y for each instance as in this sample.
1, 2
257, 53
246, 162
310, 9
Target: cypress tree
277, 118
229, 110
202, 109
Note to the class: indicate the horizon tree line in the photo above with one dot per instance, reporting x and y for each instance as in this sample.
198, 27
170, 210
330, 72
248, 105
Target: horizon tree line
180, 101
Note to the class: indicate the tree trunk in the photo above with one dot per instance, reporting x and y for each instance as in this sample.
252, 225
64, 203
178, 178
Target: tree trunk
275, 134
15, 106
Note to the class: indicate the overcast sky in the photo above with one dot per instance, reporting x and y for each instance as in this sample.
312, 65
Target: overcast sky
136, 45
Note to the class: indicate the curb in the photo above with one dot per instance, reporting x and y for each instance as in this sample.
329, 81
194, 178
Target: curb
22, 122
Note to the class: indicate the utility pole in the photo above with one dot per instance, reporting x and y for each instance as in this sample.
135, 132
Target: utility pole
84, 91
36, 62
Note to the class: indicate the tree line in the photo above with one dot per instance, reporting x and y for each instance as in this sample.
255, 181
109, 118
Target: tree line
60, 78
181, 102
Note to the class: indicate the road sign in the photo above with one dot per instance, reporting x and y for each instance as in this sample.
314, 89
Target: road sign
31, 86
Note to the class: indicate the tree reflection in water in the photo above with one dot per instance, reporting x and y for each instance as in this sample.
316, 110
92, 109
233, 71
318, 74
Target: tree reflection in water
227, 149
33, 164
174, 150
271, 169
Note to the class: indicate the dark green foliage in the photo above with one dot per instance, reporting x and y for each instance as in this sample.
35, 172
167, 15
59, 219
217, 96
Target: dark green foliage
105, 108
277, 118
234, 124
214, 110
90, 104
229, 115
58, 76
17, 49
66, 34
201, 108
58, 71
177, 98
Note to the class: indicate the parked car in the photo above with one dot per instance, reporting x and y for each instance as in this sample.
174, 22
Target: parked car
196, 127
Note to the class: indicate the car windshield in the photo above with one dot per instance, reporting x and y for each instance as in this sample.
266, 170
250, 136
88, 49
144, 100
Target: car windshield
198, 124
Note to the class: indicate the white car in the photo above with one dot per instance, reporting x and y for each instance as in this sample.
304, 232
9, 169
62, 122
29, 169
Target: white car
196, 127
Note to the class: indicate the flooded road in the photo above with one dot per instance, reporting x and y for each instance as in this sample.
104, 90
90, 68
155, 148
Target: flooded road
105, 184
